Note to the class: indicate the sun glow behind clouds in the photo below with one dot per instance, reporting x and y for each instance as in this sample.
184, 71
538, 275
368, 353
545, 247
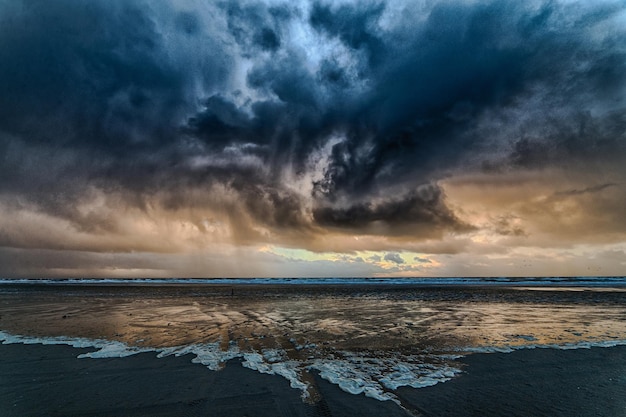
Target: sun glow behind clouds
380, 263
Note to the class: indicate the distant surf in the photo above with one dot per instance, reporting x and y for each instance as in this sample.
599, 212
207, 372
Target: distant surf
582, 281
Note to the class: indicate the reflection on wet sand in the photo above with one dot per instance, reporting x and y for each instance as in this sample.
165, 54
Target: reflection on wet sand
375, 320
313, 327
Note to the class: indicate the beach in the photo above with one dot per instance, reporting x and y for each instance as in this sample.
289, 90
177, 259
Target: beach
531, 382
312, 208
150, 349
38, 380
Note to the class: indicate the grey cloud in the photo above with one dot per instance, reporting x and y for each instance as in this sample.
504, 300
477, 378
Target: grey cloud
394, 257
593, 189
506, 225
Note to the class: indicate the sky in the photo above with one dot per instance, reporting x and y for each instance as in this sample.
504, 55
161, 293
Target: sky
188, 138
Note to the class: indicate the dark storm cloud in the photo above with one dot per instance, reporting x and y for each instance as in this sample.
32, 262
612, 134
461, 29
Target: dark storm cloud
150, 101
421, 209
256, 26
355, 26
428, 85
566, 136
437, 80
88, 75
93, 93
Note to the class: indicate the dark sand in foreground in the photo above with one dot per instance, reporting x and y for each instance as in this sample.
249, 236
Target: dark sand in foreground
37, 380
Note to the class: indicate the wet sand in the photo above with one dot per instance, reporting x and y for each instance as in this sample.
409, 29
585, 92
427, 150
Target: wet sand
531, 382
352, 318
38, 380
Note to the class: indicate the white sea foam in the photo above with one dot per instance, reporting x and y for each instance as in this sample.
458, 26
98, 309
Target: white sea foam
376, 374
208, 354
417, 375
271, 361
355, 374
563, 346
105, 348
352, 380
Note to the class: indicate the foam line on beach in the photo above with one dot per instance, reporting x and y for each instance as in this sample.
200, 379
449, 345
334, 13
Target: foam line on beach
209, 355
375, 377
273, 362
563, 346
105, 348
374, 374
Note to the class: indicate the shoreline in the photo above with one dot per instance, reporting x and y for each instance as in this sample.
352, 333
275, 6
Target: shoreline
48, 379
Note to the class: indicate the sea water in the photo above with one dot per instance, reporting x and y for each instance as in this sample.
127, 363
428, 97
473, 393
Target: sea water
368, 336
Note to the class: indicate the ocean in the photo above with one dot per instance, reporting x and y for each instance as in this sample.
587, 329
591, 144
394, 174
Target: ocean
367, 335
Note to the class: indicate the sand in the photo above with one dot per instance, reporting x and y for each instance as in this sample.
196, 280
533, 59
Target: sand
37, 380
531, 382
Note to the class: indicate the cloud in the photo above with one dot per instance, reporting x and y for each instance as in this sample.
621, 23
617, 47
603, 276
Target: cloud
532, 210
592, 189
508, 225
310, 123
105, 76
421, 209
394, 257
